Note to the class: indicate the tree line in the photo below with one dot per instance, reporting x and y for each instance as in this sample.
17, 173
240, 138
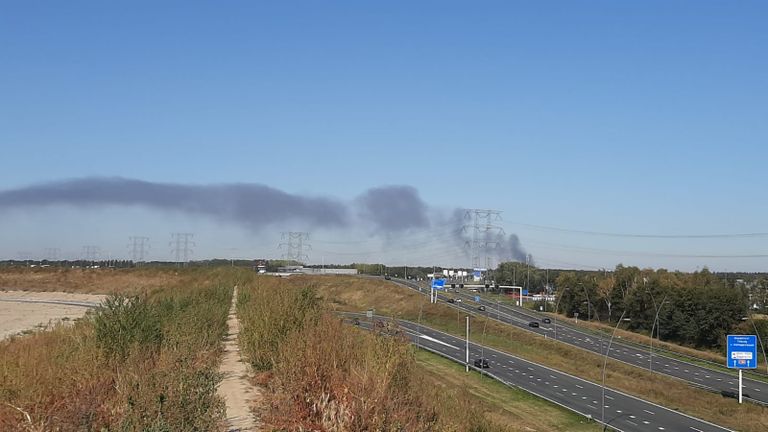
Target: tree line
697, 309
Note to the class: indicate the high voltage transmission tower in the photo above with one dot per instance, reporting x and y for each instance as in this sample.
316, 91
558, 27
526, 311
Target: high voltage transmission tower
485, 234
139, 247
181, 246
52, 254
91, 253
295, 243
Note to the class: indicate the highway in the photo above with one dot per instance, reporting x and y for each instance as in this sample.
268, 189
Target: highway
690, 373
621, 412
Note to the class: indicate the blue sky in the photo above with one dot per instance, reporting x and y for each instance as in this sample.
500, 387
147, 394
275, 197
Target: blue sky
626, 117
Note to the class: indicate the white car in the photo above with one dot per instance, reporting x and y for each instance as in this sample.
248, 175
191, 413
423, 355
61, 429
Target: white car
458, 300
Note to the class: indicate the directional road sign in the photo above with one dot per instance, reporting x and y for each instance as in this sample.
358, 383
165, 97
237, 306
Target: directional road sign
438, 284
742, 351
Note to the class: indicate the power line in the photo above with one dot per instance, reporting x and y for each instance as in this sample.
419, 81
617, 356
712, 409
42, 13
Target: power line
139, 248
294, 244
181, 246
632, 235
52, 254
641, 253
91, 253
484, 233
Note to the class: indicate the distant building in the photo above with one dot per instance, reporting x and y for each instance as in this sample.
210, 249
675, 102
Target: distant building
289, 270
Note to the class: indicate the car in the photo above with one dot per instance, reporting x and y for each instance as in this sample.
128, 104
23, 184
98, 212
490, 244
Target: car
546, 321
458, 300
481, 308
387, 277
482, 363
450, 300
533, 324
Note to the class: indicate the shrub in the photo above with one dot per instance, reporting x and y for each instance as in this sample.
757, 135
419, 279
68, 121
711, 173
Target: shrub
121, 323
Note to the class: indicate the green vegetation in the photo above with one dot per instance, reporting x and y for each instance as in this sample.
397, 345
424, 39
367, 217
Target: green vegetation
322, 374
141, 363
694, 309
516, 408
355, 294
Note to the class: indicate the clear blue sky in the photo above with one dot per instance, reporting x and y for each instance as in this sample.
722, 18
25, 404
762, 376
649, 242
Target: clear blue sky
630, 117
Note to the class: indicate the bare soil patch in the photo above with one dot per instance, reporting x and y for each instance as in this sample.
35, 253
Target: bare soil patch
22, 311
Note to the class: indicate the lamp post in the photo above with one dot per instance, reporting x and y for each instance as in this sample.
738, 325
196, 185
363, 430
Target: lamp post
557, 310
605, 363
654, 326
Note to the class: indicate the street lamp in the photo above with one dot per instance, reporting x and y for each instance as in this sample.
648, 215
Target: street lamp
557, 310
605, 363
655, 326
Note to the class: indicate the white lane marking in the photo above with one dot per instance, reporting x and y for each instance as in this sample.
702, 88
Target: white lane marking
650, 412
437, 341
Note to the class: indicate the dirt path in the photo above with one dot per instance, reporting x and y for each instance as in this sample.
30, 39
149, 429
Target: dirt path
235, 388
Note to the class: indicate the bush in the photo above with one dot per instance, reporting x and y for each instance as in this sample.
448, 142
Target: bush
121, 323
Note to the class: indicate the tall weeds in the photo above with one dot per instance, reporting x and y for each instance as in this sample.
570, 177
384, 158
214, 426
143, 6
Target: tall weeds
143, 363
328, 376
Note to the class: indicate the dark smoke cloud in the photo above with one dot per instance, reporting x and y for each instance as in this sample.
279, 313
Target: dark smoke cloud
387, 209
393, 208
501, 247
249, 205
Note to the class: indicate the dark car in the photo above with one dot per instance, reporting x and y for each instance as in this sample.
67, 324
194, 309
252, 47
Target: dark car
387, 277
533, 324
450, 300
482, 363
482, 308
546, 321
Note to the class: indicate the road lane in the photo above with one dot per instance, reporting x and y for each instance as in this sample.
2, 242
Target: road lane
692, 374
621, 411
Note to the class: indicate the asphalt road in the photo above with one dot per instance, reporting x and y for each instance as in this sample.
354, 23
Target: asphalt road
620, 411
692, 374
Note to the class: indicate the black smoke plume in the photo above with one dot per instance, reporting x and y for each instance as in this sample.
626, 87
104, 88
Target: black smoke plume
498, 245
391, 208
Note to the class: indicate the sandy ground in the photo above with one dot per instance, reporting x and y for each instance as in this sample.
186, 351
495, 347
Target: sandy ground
24, 310
235, 388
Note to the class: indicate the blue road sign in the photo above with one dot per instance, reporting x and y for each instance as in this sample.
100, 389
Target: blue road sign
742, 351
477, 298
438, 284
525, 292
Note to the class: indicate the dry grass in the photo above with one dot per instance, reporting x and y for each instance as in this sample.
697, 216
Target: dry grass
162, 378
358, 294
516, 408
646, 340
328, 376
94, 281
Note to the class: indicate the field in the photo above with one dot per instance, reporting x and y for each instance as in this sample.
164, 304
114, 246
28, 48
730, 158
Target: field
357, 294
147, 360
144, 362
36, 312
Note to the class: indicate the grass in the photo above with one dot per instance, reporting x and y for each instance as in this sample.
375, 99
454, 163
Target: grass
516, 408
138, 363
357, 294
94, 281
322, 374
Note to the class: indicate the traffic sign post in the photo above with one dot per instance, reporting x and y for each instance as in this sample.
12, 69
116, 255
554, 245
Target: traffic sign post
742, 354
437, 284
